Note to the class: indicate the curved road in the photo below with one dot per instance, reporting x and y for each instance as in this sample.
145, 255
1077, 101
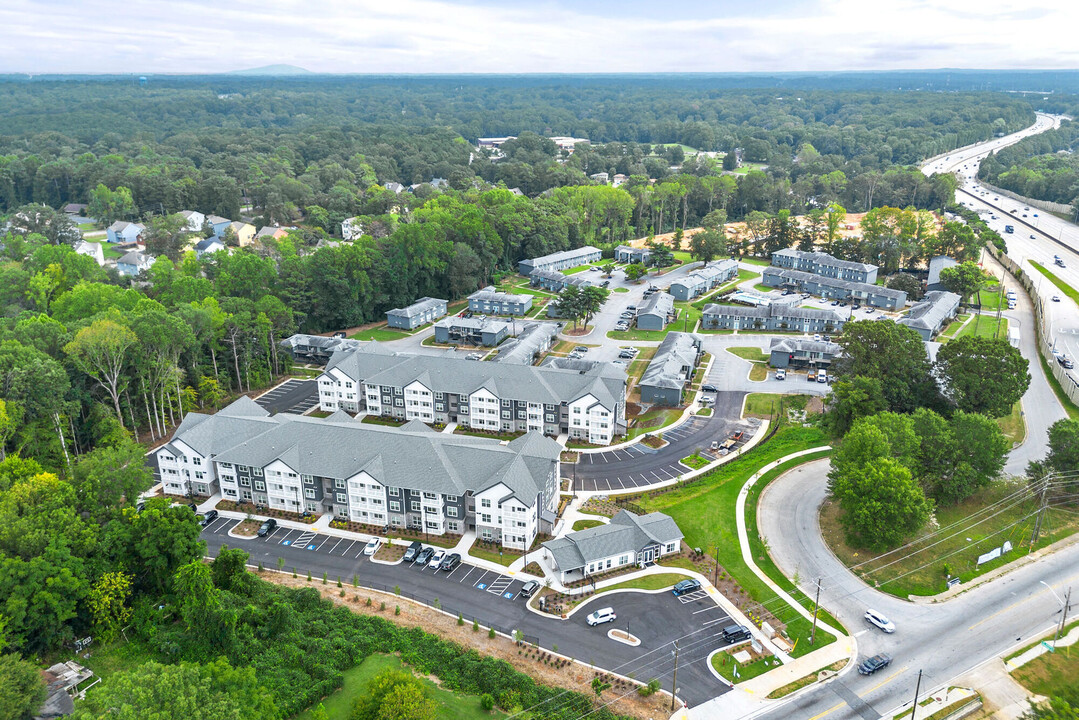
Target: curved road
944, 640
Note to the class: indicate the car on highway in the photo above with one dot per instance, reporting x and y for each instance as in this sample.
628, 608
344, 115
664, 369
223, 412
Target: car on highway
709, 388
267, 527
1065, 361
413, 550
372, 546
437, 558
208, 518
876, 619
686, 586
450, 562
530, 588
1056, 298
875, 663
603, 615
424, 555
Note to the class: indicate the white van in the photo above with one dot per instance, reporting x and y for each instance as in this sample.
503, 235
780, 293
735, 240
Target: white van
603, 615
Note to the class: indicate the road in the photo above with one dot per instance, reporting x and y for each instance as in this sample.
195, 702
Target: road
657, 619
943, 640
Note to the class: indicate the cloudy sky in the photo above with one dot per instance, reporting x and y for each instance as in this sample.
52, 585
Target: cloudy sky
447, 36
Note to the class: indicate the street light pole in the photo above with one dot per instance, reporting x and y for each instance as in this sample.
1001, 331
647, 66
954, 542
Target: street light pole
917, 687
1064, 617
816, 606
674, 679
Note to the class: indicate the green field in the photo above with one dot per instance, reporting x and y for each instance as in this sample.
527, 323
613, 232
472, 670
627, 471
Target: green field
450, 705
985, 326
753, 354
653, 420
585, 524
1060, 284
725, 664
575, 270
1012, 425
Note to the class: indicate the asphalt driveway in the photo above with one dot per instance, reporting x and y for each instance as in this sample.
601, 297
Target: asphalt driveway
292, 396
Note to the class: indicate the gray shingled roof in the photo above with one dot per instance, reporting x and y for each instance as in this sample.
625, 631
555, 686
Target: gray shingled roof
824, 259
418, 307
212, 434
327, 344
789, 345
380, 366
135, 258
563, 255
706, 274
625, 533
473, 323
932, 310
777, 310
576, 279
491, 295
677, 351
660, 303
522, 350
798, 276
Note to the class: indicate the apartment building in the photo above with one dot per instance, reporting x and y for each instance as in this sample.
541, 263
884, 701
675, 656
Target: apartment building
627, 254
556, 281
656, 312
820, 263
704, 279
562, 260
497, 397
834, 288
488, 301
423, 311
471, 331
401, 477
776, 316
671, 370
929, 315
801, 352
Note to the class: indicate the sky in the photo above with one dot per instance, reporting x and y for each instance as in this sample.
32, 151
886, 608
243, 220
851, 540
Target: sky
543, 36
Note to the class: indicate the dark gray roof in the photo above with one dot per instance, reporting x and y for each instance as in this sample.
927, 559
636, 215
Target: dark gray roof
326, 344
491, 295
377, 365
566, 363
527, 344
629, 248
868, 288
418, 307
789, 345
563, 255
207, 243
576, 279
660, 303
212, 434
706, 274
776, 310
474, 323
677, 351
135, 258
625, 533
932, 310
824, 259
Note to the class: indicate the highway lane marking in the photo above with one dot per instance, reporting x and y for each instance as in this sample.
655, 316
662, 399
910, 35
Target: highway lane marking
885, 681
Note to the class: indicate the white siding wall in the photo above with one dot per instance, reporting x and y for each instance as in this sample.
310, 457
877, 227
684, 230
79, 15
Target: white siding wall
283, 487
419, 403
366, 500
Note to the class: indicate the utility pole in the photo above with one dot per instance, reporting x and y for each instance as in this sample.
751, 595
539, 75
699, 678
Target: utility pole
917, 687
816, 606
674, 680
1064, 617
1041, 511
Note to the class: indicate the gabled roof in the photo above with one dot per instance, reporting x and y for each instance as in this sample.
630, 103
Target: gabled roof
803, 345
523, 349
707, 274
578, 280
677, 351
776, 310
121, 225
326, 344
217, 219
563, 255
824, 259
419, 307
135, 258
212, 434
206, 243
489, 294
798, 276
626, 533
659, 303
932, 310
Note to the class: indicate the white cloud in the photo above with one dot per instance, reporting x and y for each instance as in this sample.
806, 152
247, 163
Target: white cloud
440, 36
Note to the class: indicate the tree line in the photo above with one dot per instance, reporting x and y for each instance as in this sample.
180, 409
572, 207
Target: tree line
1043, 166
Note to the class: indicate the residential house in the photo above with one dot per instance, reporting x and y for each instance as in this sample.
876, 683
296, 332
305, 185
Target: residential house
835, 288
218, 223
656, 312
208, 245
820, 263
929, 316
193, 220
493, 143
567, 143
627, 254
498, 397
704, 279
123, 231
557, 282
802, 352
62, 682
533, 340
245, 232
940, 262
562, 260
423, 311
488, 301
774, 317
456, 330
91, 249
272, 232
409, 476
395, 187
619, 180
628, 539
133, 263
75, 209
316, 348
601, 177
352, 228
671, 369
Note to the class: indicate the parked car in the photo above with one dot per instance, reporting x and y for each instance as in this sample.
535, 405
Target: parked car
605, 283
631, 307
603, 615
267, 527
835, 302
529, 589
625, 355
816, 338
709, 388
875, 618
580, 349
413, 550
208, 518
619, 363
708, 399
875, 663
424, 555
450, 562
856, 306
437, 558
372, 546
736, 633
686, 586
781, 374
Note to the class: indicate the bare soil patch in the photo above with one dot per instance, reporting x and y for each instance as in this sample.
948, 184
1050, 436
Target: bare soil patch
247, 528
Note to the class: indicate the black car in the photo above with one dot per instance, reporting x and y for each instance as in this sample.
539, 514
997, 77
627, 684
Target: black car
709, 388
686, 586
413, 550
736, 633
875, 663
856, 306
425, 555
208, 518
267, 527
450, 562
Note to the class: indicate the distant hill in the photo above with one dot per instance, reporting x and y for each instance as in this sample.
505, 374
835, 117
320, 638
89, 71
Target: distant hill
273, 70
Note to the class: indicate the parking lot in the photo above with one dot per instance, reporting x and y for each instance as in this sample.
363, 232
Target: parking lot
292, 396
493, 599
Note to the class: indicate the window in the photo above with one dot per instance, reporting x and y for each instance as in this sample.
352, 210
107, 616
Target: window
438, 396
259, 485
506, 414
486, 534
245, 482
485, 518
307, 479
415, 506
257, 472
451, 511
453, 526
341, 499
670, 547
395, 506
197, 461
399, 402
485, 503
339, 484
429, 496
227, 465
395, 492
199, 475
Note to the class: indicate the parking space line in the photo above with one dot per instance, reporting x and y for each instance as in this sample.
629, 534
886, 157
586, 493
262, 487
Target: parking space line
280, 539
335, 545
470, 569
481, 578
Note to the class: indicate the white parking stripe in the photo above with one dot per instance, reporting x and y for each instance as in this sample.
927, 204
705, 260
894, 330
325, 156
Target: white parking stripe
470, 569
335, 545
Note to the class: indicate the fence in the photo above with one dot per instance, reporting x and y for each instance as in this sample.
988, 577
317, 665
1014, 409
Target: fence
1043, 339
1046, 205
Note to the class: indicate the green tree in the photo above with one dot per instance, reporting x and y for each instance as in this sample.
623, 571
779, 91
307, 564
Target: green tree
100, 350
982, 374
166, 235
852, 399
23, 688
1056, 708
706, 245
107, 206
153, 544
110, 474
407, 702
965, 279
979, 449
882, 504
908, 283
635, 272
380, 691
107, 600
892, 354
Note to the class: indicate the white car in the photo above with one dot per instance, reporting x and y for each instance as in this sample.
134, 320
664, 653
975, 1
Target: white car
875, 618
604, 615
372, 546
437, 558
781, 374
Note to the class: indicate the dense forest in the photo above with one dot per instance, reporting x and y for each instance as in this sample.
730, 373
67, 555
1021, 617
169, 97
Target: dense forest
1044, 166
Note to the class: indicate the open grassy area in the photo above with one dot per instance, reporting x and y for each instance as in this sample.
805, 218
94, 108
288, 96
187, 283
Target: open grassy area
763, 405
991, 299
657, 581
1049, 673
1060, 284
585, 524
966, 530
1012, 425
654, 419
695, 461
377, 420
450, 705
804, 681
705, 512
382, 334
575, 270
985, 326
725, 664
493, 556
111, 251
754, 261
621, 290
952, 328
761, 287
753, 354
711, 297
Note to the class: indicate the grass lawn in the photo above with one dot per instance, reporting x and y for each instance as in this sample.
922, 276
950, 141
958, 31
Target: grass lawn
481, 433
753, 354
991, 300
758, 372
1012, 425
706, 412
743, 275
725, 664
621, 289
705, 512
985, 326
1069, 406
654, 419
111, 251
952, 328
763, 288
377, 420
764, 405
450, 705
1050, 673
974, 529
804, 681
575, 270
585, 524
657, 581
755, 261
695, 461
382, 333
320, 413
1061, 285
493, 556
